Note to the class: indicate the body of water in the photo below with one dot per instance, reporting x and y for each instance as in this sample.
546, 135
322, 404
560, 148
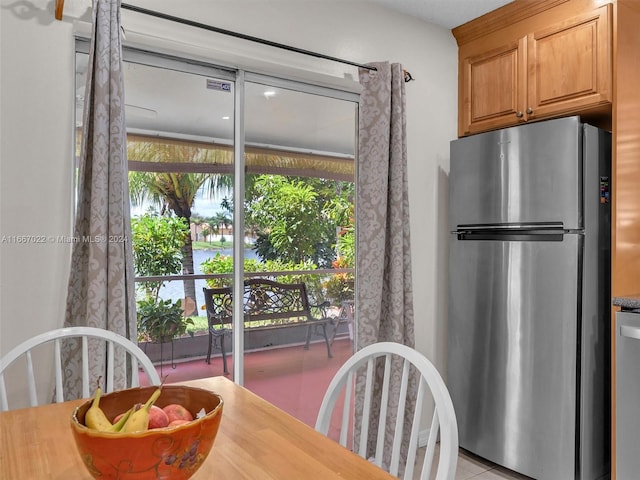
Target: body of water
200, 256
174, 289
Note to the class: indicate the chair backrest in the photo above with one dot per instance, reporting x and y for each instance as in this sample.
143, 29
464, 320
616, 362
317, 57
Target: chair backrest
443, 421
138, 359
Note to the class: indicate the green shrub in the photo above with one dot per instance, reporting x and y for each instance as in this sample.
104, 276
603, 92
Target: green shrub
157, 248
341, 286
161, 320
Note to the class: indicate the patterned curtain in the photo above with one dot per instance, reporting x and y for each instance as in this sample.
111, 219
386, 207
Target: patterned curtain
384, 292
101, 290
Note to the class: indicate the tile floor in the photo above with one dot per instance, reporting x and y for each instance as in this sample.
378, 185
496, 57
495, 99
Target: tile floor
475, 468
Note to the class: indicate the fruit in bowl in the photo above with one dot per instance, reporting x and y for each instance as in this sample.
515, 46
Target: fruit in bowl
136, 445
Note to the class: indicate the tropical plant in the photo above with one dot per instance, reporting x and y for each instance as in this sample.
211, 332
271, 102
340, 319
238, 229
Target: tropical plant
214, 225
175, 191
340, 286
221, 220
196, 221
161, 320
208, 232
346, 247
157, 248
293, 220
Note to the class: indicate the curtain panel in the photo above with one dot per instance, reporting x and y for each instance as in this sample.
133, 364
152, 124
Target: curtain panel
384, 291
101, 289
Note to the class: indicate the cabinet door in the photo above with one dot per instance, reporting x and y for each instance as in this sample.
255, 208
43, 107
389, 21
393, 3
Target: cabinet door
570, 65
493, 88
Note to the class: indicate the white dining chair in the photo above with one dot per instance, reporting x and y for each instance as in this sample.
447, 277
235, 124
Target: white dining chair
443, 421
138, 359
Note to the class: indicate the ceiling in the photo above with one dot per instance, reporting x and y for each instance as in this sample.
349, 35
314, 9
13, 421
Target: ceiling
446, 13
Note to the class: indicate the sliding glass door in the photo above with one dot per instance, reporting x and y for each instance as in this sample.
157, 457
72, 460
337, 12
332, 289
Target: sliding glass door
237, 178
300, 148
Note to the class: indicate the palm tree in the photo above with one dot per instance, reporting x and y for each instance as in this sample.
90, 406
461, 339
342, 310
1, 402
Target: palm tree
207, 232
175, 191
197, 221
221, 221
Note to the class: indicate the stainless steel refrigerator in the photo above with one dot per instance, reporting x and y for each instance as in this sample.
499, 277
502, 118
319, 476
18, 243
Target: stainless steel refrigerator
529, 301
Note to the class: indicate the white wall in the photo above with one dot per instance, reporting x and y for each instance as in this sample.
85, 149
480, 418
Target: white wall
37, 73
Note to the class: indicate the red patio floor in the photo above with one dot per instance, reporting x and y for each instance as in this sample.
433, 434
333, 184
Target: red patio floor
292, 378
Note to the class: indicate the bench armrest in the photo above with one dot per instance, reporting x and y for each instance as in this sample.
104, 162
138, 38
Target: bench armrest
322, 307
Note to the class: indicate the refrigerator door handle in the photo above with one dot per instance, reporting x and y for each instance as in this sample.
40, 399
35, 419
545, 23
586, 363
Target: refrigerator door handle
513, 227
630, 332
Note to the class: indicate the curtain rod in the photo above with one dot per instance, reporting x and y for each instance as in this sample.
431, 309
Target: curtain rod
211, 28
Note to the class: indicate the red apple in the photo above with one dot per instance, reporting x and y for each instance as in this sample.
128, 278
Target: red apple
175, 423
177, 412
118, 417
157, 418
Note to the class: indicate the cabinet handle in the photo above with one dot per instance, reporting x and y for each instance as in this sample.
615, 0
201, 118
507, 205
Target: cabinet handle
630, 332
519, 115
529, 111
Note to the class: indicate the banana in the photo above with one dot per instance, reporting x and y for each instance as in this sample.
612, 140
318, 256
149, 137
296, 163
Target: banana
116, 427
95, 418
139, 420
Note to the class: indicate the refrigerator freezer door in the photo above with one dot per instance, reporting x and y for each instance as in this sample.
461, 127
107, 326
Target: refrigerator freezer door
513, 336
525, 174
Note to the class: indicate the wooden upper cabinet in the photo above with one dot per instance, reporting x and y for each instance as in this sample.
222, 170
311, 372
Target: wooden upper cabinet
553, 69
570, 65
494, 86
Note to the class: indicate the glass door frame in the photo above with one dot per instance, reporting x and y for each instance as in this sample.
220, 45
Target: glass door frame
239, 78
243, 77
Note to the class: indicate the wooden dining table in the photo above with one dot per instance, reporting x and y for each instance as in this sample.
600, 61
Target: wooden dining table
256, 441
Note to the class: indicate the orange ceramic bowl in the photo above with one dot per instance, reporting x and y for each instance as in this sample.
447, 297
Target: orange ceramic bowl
165, 453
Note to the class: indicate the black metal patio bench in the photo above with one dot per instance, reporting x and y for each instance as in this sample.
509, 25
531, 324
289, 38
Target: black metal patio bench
267, 305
